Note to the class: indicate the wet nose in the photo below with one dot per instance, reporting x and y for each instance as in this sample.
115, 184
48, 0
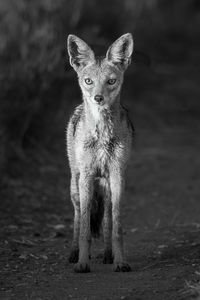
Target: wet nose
98, 98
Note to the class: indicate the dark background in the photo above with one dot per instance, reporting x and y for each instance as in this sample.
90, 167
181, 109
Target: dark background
38, 92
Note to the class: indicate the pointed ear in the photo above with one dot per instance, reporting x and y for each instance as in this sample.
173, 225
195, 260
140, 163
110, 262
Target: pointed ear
119, 53
80, 53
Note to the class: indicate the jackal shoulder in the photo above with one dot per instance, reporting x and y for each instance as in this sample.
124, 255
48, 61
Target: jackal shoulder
128, 120
75, 119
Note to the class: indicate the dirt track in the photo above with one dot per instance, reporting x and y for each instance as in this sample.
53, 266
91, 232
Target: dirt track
161, 211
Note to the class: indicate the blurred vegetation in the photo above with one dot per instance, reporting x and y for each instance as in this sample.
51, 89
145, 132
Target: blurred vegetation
34, 71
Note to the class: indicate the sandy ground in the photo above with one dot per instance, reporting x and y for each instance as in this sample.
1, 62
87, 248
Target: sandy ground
161, 211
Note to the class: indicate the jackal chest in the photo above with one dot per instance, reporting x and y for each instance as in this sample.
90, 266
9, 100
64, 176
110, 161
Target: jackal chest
103, 152
102, 148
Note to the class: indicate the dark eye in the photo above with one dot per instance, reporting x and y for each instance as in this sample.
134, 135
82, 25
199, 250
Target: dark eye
111, 81
88, 81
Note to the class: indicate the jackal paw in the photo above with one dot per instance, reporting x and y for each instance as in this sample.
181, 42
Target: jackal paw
73, 257
82, 268
122, 267
107, 257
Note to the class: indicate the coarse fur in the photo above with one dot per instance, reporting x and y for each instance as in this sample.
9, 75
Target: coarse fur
99, 137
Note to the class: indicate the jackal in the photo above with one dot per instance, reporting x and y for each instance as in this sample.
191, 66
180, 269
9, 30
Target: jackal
99, 136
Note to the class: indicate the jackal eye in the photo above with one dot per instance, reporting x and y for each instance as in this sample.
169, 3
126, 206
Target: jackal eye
111, 81
88, 81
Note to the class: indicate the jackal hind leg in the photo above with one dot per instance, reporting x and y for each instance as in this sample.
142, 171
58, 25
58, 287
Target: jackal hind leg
74, 253
117, 185
85, 192
107, 224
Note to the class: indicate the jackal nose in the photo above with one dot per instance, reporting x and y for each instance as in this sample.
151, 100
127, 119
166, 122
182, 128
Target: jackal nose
98, 98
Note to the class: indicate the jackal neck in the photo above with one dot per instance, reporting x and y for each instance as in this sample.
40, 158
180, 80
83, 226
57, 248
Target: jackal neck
100, 121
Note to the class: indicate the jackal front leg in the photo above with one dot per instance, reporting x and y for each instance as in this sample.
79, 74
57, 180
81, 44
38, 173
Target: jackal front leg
107, 225
85, 193
74, 190
117, 186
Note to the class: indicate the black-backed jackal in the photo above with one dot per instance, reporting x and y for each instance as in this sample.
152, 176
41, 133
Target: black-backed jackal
99, 136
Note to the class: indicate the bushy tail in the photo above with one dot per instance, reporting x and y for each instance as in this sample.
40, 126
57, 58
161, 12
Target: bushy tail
97, 211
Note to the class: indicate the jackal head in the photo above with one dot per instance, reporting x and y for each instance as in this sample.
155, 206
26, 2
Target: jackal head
100, 79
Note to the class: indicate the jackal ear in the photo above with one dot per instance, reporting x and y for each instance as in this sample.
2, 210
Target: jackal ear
80, 53
119, 53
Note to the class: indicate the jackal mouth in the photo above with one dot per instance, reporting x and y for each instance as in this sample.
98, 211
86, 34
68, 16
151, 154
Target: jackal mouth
99, 103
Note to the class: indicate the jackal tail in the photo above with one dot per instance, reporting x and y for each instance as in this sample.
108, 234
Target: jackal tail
97, 212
